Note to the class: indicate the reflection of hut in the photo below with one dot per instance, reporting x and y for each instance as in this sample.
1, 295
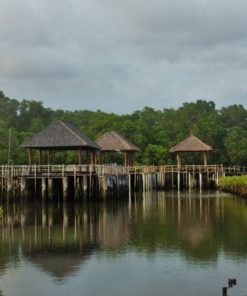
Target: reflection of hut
114, 142
61, 135
60, 263
191, 144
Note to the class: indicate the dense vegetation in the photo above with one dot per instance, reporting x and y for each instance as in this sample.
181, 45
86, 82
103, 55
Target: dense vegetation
234, 184
154, 131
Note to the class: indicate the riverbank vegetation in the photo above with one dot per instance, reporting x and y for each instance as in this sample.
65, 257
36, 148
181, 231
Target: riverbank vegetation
153, 131
234, 184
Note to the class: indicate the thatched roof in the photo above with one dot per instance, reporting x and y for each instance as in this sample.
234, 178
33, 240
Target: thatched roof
112, 141
60, 135
191, 144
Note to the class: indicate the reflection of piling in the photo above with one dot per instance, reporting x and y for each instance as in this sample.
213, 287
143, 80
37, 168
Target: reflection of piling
231, 284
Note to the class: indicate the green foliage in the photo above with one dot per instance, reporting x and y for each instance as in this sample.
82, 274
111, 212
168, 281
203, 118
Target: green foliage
236, 145
1, 212
155, 155
153, 131
234, 184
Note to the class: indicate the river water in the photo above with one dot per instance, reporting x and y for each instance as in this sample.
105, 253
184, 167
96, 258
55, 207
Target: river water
171, 243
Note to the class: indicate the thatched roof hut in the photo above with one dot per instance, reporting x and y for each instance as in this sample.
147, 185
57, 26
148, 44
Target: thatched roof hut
115, 142
191, 144
60, 135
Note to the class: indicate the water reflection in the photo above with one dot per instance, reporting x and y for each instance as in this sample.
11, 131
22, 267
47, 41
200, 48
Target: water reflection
60, 238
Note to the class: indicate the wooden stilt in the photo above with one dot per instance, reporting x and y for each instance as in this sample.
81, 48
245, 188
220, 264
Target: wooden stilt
205, 158
178, 180
172, 178
125, 159
79, 156
23, 184
29, 156
200, 180
40, 157
129, 187
50, 183
43, 187
65, 187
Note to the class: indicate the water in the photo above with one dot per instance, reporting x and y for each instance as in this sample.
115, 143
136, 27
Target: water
162, 244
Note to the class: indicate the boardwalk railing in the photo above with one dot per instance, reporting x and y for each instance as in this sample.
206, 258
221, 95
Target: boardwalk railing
111, 169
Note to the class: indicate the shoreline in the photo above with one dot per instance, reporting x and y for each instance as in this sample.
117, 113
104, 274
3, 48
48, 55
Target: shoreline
234, 184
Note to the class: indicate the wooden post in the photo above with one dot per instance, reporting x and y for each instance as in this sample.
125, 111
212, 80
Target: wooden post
200, 180
101, 157
65, 187
224, 291
193, 173
9, 184
129, 159
93, 158
205, 158
50, 181
143, 182
217, 178
133, 159
178, 179
35, 179
29, 156
23, 184
125, 159
189, 181
172, 179
186, 177
40, 157
178, 160
129, 187
74, 180
49, 157
79, 156
43, 187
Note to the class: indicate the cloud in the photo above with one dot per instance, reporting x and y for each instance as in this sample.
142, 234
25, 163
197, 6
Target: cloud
122, 55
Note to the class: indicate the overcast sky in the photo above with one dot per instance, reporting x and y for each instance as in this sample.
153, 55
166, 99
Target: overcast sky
122, 55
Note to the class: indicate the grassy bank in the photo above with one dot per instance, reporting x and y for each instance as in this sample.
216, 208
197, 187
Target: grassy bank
235, 184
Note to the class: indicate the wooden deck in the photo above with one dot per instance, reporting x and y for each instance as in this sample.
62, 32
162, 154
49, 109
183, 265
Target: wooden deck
112, 169
99, 180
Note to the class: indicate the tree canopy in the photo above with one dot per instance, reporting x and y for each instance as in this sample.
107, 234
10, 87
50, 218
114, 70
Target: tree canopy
153, 131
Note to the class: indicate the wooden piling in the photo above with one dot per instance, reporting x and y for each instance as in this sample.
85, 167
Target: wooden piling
200, 180
23, 184
65, 185
43, 187
178, 180
50, 183
92, 180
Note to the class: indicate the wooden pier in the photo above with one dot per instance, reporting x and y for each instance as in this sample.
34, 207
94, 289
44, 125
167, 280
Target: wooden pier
89, 182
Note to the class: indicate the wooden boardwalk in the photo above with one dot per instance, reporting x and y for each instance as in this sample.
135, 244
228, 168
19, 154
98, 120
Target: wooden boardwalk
61, 170
101, 180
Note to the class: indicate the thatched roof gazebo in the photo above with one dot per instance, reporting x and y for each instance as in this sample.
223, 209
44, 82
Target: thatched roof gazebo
60, 135
114, 142
191, 144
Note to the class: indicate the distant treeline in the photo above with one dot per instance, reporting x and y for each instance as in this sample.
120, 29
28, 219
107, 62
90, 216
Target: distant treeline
153, 131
